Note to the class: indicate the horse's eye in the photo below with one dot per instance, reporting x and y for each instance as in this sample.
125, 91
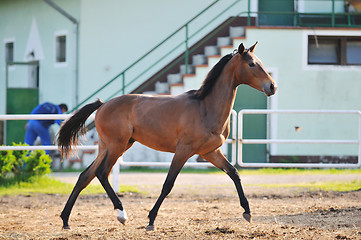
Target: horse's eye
251, 64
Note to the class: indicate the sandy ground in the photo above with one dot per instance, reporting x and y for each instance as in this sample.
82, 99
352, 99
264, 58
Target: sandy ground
202, 206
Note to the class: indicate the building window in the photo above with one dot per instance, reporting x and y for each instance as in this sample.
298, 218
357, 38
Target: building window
353, 52
60, 49
329, 50
9, 52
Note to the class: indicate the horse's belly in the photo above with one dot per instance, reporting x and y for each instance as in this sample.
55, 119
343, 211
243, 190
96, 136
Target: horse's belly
155, 141
159, 146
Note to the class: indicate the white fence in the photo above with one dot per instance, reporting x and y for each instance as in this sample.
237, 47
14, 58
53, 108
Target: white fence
40, 117
121, 162
236, 140
296, 141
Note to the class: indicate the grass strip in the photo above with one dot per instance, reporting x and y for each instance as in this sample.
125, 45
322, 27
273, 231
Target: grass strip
49, 185
335, 186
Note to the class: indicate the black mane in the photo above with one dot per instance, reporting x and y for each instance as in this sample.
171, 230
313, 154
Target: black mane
211, 79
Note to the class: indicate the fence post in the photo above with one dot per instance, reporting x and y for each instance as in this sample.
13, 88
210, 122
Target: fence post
359, 139
187, 51
234, 137
240, 138
115, 174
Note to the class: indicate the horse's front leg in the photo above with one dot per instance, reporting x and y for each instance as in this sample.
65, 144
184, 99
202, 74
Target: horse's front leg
220, 161
179, 159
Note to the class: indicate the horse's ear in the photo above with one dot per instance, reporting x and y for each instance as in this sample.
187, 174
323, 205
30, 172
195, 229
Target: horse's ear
241, 48
251, 49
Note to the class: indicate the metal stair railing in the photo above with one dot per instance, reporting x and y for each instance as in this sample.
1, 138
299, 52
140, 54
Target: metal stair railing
185, 42
188, 37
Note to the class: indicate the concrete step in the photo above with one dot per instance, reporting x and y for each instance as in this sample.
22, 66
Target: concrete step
199, 59
211, 50
224, 41
236, 32
161, 87
174, 78
183, 69
177, 89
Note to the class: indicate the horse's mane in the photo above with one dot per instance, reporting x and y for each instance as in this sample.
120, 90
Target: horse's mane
211, 79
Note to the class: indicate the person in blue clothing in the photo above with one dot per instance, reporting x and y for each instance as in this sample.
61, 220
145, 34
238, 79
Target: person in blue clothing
35, 128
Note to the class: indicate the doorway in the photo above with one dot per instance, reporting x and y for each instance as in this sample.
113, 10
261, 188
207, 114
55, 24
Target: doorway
22, 96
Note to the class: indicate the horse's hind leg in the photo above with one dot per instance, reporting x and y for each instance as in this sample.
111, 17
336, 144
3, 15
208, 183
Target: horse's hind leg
84, 179
102, 173
219, 160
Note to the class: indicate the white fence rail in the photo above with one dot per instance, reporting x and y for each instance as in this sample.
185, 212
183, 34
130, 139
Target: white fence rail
236, 140
40, 117
232, 141
297, 141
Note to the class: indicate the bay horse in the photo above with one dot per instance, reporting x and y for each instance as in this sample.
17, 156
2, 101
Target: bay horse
195, 122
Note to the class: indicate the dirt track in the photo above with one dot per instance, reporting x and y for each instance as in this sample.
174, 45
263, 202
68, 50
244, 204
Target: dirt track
196, 208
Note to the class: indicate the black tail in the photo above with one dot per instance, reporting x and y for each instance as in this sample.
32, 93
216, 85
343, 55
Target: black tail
69, 132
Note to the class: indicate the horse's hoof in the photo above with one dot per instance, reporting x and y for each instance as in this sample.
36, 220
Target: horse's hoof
66, 227
122, 216
248, 217
122, 220
150, 228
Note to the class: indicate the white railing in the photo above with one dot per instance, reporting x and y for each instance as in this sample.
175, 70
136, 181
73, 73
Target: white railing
40, 117
235, 140
232, 141
296, 141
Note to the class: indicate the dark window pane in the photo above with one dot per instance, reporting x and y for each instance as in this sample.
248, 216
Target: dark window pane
324, 51
353, 52
61, 49
9, 52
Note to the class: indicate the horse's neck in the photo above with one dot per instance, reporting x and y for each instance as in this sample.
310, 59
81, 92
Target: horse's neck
219, 102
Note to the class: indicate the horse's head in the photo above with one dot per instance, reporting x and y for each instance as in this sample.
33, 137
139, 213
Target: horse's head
253, 73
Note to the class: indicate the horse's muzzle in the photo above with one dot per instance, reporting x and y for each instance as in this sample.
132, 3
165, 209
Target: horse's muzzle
270, 89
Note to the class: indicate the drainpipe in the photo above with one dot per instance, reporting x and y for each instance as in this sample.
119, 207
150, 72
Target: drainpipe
76, 48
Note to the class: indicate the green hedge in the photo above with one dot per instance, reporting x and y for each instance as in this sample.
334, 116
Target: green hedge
20, 165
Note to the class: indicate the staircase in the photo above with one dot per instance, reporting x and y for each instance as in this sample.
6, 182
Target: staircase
201, 64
